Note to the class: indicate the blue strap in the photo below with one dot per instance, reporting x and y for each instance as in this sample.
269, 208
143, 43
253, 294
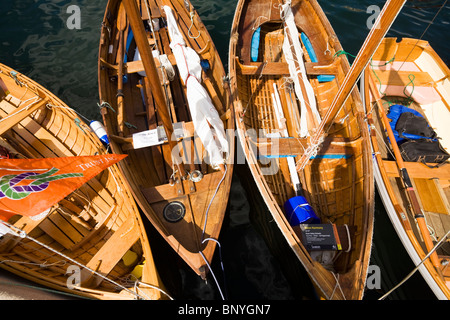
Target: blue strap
255, 45
395, 111
313, 57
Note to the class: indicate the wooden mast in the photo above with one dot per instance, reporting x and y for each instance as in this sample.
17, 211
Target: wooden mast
373, 40
150, 69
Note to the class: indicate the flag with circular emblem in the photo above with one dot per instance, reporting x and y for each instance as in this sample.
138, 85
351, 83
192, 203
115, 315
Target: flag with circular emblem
29, 187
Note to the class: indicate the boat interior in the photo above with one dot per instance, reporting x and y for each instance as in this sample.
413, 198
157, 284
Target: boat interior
81, 229
176, 199
333, 181
406, 74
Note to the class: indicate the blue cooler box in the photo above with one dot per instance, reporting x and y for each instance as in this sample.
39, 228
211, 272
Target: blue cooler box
298, 210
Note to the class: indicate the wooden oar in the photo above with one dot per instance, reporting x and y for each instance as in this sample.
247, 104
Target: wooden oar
121, 26
20, 114
279, 114
418, 213
140, 37
373, 40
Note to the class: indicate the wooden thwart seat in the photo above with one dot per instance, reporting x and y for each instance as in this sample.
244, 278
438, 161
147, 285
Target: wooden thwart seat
427, 181
188, 130
432, 195
112, 251
403, 78
282, 147
282, 68
167, 191
440, 223
137, 66
418, 170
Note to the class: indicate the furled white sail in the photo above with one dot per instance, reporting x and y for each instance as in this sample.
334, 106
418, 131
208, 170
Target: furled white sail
294, 53
207, 123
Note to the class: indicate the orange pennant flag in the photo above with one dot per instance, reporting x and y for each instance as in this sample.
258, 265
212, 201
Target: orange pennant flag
29, 187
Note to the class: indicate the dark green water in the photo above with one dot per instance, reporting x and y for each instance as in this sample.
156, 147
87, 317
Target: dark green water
35, 40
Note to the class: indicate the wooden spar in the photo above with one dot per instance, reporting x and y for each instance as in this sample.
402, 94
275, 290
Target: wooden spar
150, 69
418, 214
373, 40
121, 26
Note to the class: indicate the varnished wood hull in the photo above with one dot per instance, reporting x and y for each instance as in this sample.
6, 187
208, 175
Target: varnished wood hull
93, 227
149, 171
413, 68
340, 190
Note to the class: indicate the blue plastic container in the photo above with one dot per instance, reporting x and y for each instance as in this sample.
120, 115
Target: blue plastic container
298, 210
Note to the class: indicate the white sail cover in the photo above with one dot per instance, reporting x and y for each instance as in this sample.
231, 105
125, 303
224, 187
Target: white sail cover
292, 54
204, 114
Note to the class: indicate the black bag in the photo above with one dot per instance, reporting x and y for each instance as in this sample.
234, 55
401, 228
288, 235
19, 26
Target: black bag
423, 150
410, 123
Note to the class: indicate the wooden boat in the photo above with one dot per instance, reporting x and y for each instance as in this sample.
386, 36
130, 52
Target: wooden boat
276, 129
185, 198
96, 229
409, 73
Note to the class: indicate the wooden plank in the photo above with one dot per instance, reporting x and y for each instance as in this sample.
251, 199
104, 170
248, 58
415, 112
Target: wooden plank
166, 191
264, 68
112, 251
315, 68
430, 195
418, 170
100, 224
53, 231
137, 66
439, 222
403, 78
295, 147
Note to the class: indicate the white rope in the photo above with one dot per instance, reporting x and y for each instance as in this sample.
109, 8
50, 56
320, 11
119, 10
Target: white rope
417, 267
60, 263
348, 239
212, 239
192, 24
136, 283
311, 151
338, 285
209, 267
258, 22
215, 192
37, 99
